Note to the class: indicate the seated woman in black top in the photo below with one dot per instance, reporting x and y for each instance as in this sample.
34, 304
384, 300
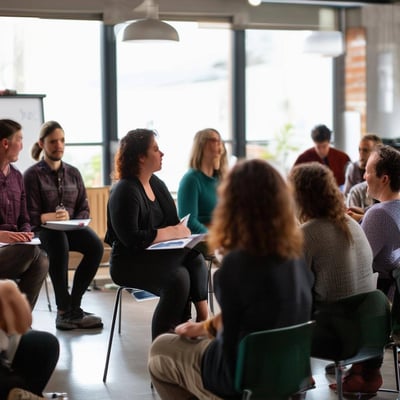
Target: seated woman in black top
263, 283
141, 211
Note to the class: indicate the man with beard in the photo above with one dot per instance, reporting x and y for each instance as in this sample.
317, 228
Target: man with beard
56, 192
356, 170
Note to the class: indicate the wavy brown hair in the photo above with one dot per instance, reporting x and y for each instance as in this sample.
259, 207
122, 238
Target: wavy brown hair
132, 146
255, 212
317, 195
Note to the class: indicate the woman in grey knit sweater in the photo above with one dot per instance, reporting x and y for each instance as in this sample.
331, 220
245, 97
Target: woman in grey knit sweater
338, 253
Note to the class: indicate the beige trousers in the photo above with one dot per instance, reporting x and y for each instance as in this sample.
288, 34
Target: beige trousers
175, 367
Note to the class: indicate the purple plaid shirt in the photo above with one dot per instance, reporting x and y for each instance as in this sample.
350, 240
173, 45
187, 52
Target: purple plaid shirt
46, 189
13, 212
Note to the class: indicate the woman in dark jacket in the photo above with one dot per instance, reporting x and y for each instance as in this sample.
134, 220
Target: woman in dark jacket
140, 212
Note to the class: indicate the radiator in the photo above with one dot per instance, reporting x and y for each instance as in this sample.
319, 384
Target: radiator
98, 198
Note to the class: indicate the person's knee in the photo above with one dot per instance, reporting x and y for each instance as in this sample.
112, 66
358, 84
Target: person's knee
159, 355
180, 280
43, 343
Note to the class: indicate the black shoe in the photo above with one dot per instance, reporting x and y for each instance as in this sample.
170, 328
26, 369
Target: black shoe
78, 319
330, 369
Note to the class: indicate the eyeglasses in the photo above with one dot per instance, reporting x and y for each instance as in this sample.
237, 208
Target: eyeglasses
214, 140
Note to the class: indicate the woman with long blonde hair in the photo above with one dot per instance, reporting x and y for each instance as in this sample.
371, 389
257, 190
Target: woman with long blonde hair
197, 192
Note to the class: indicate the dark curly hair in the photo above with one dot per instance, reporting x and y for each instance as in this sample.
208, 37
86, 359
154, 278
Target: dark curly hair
255, 212
317, 195
133, 145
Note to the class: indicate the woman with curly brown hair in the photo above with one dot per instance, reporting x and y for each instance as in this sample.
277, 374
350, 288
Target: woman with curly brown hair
140, 212
337, 251
263, 283
335, 246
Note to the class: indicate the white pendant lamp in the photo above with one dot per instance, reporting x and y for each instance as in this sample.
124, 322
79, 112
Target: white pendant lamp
151, 27
325, 43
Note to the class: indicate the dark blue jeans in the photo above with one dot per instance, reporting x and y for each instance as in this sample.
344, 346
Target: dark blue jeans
58, 244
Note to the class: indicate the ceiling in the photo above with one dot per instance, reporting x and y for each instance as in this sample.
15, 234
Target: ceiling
238, 12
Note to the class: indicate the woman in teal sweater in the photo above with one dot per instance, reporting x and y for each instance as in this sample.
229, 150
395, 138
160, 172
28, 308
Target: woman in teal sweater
197, 194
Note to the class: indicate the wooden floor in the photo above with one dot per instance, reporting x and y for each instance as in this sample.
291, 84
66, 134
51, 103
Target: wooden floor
80, 368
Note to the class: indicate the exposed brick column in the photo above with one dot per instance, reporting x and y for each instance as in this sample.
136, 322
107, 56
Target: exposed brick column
355, 65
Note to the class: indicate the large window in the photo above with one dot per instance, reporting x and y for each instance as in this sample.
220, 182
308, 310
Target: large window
176, 89
288, 92
60, 59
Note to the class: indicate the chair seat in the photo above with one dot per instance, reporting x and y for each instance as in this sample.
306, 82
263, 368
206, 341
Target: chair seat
350, 330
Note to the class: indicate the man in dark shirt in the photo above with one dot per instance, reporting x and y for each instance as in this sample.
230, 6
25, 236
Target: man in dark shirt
26, 264
56, 192
323, 153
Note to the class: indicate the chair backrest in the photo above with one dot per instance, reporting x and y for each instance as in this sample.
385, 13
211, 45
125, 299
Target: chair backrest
358, 327
275, 363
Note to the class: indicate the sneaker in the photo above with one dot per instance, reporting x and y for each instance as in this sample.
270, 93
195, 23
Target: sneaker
355, 383
56, 395
78, 319
20, 394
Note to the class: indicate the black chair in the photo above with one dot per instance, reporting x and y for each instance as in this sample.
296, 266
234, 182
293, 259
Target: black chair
395, 343
117, 310
210, 259
350, 330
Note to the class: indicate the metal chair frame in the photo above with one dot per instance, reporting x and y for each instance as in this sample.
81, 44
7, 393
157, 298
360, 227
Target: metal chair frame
117, 310
366, 316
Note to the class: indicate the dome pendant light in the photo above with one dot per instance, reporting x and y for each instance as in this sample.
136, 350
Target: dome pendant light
150, 28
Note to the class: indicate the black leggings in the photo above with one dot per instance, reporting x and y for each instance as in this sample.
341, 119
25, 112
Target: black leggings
177, 276
57, 245
34, 362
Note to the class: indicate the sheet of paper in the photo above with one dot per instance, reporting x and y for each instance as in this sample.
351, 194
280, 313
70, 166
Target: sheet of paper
71, 224
35, 241
185, 219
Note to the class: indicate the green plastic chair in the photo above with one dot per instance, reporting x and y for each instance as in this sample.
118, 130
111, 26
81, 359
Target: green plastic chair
275, 364
395, 344
353, 329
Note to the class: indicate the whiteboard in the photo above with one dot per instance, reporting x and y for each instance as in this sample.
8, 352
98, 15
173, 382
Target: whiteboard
28, 111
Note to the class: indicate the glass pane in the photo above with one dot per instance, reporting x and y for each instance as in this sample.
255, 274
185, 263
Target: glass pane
176, 89
288, 93
88, 159
61, 59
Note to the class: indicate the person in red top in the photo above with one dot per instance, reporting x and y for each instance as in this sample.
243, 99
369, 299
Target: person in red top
322, 152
